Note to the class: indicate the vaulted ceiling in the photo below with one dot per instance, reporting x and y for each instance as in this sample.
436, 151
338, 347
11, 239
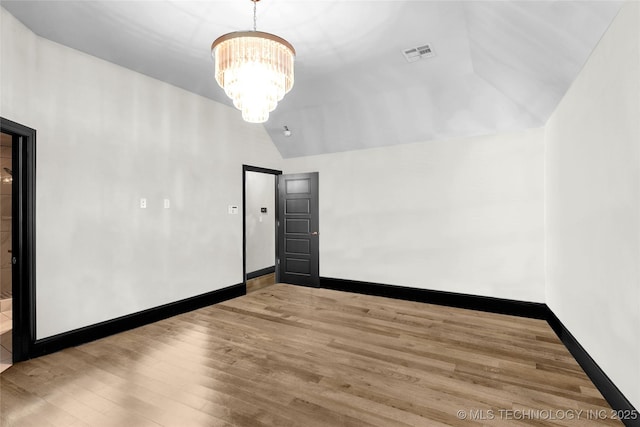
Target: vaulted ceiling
498, 65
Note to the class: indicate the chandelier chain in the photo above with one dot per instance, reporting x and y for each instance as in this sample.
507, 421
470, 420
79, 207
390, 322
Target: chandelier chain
254, 15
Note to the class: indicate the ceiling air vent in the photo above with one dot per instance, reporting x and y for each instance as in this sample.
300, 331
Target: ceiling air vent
420, 52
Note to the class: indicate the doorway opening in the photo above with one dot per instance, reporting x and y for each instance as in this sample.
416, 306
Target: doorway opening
260, 216
6, 223
17, 241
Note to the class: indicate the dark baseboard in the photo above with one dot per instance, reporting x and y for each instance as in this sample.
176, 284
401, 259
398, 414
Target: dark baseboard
611, 393
124, 323
614, 396
261, 272
451, 299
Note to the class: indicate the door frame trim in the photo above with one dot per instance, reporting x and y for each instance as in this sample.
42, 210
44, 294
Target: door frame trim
275, 172
24, 285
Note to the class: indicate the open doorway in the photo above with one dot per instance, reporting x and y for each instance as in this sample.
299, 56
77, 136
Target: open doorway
17, 241
6, 225
260, 217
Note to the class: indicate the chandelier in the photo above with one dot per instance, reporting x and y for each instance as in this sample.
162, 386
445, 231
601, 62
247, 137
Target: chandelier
255, 69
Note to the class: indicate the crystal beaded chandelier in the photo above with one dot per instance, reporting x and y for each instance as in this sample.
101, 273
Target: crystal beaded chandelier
255, 69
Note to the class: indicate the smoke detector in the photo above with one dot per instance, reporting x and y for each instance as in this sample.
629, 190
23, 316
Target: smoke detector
416, 53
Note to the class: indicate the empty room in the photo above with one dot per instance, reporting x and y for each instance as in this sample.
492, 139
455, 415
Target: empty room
319, 213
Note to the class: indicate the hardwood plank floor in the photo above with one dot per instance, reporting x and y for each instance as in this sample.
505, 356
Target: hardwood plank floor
261, 282
294, 356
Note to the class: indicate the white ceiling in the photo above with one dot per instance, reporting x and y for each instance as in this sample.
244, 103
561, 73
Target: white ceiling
499, 65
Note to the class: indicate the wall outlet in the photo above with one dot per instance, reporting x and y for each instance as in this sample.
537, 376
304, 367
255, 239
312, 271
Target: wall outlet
143, 203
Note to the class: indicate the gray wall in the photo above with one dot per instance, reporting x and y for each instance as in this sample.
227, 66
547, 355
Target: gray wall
261, 241
593, 205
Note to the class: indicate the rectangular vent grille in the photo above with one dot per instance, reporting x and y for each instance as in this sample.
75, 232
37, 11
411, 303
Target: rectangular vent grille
420, 52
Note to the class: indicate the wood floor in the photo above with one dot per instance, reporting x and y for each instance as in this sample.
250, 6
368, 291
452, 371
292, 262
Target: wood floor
261, 282
295, 356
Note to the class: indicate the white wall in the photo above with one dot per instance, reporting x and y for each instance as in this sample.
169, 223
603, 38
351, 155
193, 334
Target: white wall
107, 136
593, 205
459, 215
261, 240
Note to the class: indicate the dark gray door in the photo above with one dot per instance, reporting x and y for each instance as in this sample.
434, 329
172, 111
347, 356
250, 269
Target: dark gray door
298, 233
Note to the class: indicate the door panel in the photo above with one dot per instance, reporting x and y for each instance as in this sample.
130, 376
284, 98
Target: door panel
298, 237
297, 206
297, 246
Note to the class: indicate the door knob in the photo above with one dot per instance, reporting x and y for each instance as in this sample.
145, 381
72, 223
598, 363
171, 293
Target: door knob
315, 233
